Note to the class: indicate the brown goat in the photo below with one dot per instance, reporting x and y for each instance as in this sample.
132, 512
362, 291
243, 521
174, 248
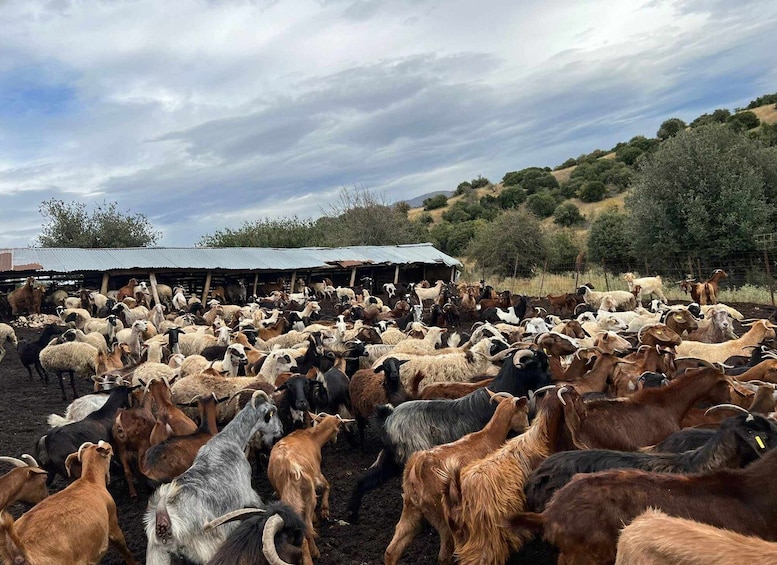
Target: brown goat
423, 487
561, 302
650, 415
22, 299
372, 387
170, 458
486, 492
171, 420
596, 379
294, 471
131, 431
450, 390
26, 483
583, 519
273, 331
84, 514
654, 538
127, 290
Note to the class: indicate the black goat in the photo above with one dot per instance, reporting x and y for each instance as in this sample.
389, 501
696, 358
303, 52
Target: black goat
52, 449
683, 440
739, 441
29, 351
422, 424
269, 536
294, 399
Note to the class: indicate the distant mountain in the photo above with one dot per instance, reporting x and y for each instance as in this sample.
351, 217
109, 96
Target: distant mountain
418, 201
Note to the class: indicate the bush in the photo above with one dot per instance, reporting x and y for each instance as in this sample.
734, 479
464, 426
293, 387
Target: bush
571, 162
453, 239
513, 178
670, 128
762, 100
744, 121
608, 239
534, 181
629, 154
593, 191
643, 142
542, 204
567, 214
480, 182
462, 188
434, 202
569, 189
511, 197
719, 116
620, 176
513, 242
426, 218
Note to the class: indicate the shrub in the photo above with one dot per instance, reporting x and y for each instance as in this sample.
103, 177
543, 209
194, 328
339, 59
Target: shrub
629, 154
608, 239
561, 250
542, 204
512, 178
567, 214
571, 162
670, 128
511, 197
480, 182
592, 191
513, 242
569, 189
426, 218
744, 121
762, 100
462, 188
434, 202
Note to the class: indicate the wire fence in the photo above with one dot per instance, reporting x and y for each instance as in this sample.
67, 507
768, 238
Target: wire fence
750, 275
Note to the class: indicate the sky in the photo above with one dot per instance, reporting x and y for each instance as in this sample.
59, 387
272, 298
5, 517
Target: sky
205, 114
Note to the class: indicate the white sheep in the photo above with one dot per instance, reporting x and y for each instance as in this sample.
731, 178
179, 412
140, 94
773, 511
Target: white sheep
92, 338
592, 325
392, 336
179, 299
77, 410
99, 300
647, 285
430, 293
194, 343
131, 315
105, 326
622, 298
428, 344
460, 366
78, 316
7, 334
71, 357
345, 294
148, 371
134, 337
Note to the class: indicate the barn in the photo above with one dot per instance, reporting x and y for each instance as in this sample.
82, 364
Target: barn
201, 268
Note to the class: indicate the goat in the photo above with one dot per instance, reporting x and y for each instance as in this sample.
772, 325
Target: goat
25, 483
131, 431
171, 420
422, 424
648, 285
219, 481
742, 500
594, 298
84, 514
170, 458
738, 442
653, 538
487, 491
294, 471
53, 448
760, 331
369, 388
274, 537
423, 486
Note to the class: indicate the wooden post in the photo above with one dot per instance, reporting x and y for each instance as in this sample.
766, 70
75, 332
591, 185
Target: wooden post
396, 274
542, 278
453, 274
690, 267
353, 277
698, 264
256, 282
293, 281
104, 285
606, 280
206, 288
769, 273
154, 293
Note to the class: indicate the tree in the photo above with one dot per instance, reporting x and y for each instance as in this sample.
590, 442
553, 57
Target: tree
541, 204
284, 232
434, 202
513, 242
709, 189
562, 248
567, 214
743, 121
629, 154
608, 239
511, 197
72, 225
670, 128
592, 191
480, 182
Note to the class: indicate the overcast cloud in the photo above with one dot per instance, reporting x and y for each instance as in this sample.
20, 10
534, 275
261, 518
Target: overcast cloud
203, 114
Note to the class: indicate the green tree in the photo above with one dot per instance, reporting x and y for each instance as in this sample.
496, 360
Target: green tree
743, 121
629, 154
462, 188
562, 247
670, 128
480, 182
593, 191
266, 232
511, 197
453, 239
709, 189
571, 162
608, 239
436, 201
541, 204
512, 242
567, 214
72, 225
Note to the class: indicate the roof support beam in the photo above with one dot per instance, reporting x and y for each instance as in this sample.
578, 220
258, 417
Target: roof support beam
104, 285
206, 288
154, 293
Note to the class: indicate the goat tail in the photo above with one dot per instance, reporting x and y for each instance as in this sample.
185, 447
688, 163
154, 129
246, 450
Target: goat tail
41, 454
452, 500
531, 521
11, 544
57, 421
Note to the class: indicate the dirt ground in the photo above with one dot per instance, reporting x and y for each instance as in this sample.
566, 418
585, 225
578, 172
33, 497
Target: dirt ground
25, 404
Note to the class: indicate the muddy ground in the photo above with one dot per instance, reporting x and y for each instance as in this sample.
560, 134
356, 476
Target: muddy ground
25, 404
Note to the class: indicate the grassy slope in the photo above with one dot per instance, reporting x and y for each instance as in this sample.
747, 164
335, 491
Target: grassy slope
766, 113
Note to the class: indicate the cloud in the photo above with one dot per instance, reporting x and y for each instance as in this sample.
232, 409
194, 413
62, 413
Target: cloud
203, 115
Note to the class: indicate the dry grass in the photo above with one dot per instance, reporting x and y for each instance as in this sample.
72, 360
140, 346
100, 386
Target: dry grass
562, 175
766, 113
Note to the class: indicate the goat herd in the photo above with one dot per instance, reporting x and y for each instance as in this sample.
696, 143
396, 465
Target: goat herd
616, 433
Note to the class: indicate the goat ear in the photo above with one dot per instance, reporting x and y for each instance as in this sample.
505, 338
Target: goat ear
378, 370
72, 464
403, 361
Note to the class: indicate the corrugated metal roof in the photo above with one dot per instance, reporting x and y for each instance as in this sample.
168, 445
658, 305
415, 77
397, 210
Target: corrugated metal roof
72, 260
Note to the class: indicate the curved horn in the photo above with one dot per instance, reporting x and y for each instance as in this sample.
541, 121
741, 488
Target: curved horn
231, 517
259, 394
13, 461
559, 392
30, 460
544, 389
273, 525
731, 406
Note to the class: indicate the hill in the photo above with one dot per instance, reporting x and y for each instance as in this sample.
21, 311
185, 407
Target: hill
418, 201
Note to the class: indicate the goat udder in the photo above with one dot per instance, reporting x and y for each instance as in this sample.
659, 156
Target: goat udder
163, 529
